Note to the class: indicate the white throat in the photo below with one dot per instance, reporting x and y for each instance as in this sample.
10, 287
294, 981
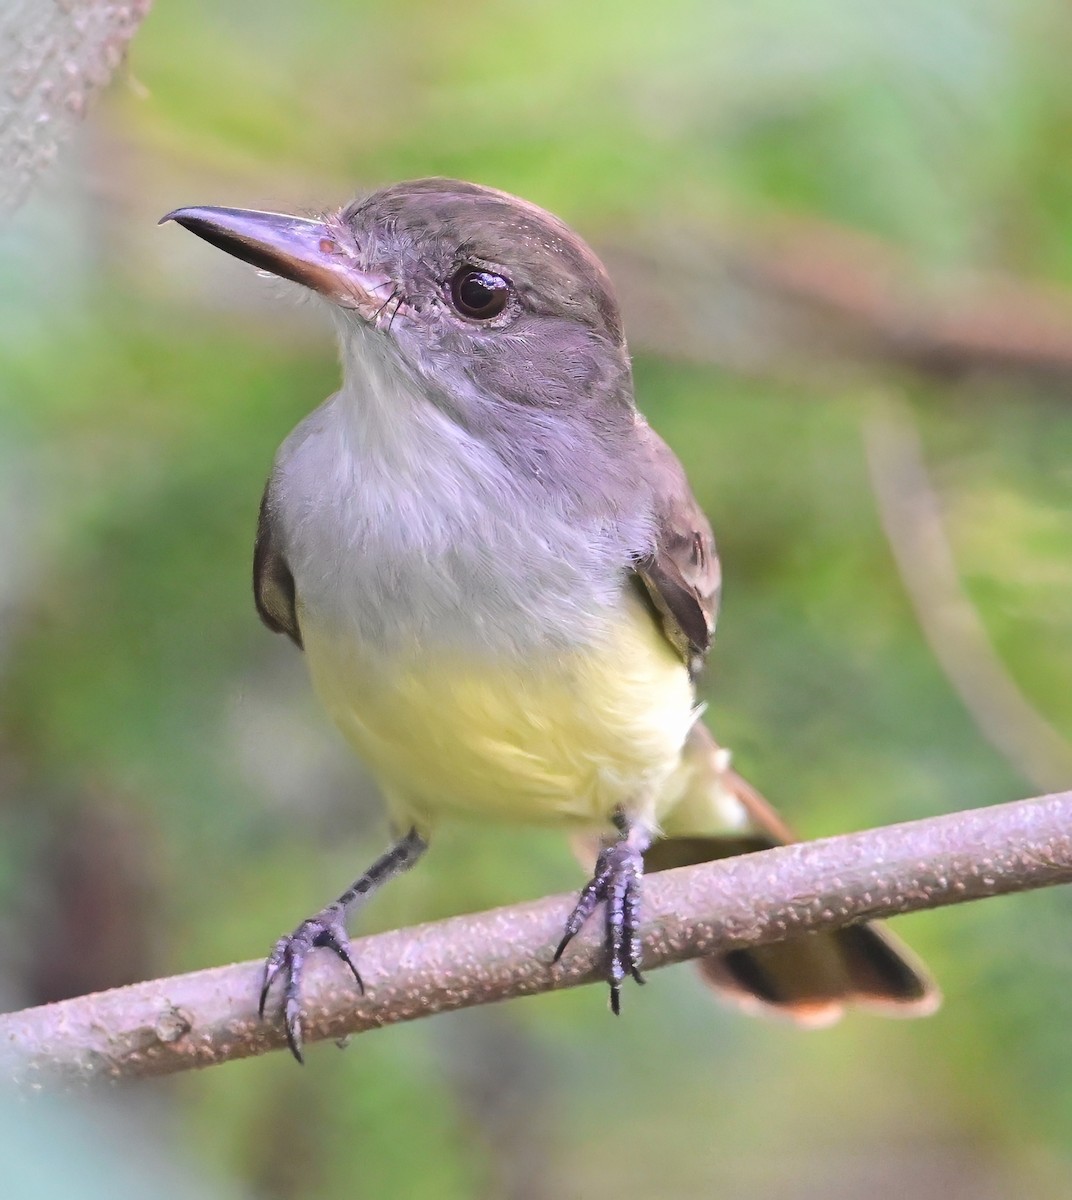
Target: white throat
407, 534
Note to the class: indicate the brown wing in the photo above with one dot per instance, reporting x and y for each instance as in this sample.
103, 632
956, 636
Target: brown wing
681, 576
273, 584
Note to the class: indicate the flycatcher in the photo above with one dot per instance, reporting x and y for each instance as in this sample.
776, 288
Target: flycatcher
502, 583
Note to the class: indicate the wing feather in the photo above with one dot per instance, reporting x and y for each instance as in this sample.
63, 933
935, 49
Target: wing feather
273, 583
681, 576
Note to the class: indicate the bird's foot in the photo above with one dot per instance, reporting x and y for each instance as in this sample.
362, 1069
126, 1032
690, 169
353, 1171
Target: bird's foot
287, 960
616, 885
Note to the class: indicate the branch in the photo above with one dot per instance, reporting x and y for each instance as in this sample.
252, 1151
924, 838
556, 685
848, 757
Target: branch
208, 1017
793, 296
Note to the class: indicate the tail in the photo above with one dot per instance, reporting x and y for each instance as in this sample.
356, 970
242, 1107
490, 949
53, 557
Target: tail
810, 979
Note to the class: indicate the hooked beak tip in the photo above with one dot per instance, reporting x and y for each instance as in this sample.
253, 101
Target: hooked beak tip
181, 216
193, 218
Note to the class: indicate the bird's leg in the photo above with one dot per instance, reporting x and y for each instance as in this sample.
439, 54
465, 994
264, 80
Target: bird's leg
616, 884
328, 928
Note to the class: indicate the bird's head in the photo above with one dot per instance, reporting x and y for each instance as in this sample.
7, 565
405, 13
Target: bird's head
484, 298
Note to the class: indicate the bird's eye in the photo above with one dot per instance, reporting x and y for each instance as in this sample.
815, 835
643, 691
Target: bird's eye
478, 294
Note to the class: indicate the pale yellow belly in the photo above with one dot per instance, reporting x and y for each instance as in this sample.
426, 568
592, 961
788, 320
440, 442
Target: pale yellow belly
564, 740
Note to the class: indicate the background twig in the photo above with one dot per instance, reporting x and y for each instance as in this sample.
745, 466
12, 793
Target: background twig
911, 515
207, 1017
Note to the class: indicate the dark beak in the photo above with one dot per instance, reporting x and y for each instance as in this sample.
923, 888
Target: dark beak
296, 248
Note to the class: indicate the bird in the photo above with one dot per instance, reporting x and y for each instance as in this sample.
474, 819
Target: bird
502, 583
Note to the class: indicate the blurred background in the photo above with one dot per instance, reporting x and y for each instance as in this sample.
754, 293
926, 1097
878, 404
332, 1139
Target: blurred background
842, 233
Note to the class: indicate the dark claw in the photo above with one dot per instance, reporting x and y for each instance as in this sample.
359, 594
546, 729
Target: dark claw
288, 958
292, 1024
616, 885
271, 969
586, 905
340, 944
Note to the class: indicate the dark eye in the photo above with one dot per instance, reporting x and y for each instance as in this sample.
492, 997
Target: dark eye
478, 294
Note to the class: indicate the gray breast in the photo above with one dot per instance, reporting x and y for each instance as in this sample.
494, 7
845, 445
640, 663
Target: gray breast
406, 534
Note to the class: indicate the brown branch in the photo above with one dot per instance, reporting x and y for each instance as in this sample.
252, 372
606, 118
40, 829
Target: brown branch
796, 297
208, 1017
